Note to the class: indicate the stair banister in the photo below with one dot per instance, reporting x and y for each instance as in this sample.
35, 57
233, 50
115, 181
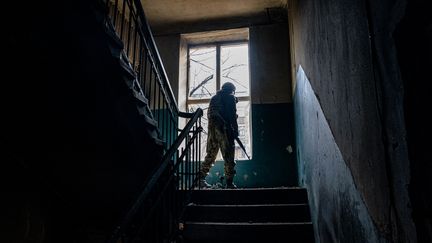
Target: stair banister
154, 215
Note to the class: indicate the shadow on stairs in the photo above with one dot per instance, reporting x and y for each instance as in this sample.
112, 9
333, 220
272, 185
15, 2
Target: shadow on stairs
248, 215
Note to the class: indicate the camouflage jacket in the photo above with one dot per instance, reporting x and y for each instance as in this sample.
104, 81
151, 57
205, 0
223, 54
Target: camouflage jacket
223, 107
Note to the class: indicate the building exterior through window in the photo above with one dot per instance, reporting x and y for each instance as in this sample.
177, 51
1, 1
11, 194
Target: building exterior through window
209, 67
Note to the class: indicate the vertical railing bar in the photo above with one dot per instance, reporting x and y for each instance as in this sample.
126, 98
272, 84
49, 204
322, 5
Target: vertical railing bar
169, 129
163, 123
118, 21
140, 67
135, 41
166, 125
193, 161
157, 99
182, 170
154, 91
188, 163
115, 12
196, 151
122, 20
194, 157
129, 29
153, 95
160, 97
173, 129
150, 69
153, 88
162, 105
150, 84
184, 161
185, 165
145, 73
176, 192
199, 147
179, 170
190, 160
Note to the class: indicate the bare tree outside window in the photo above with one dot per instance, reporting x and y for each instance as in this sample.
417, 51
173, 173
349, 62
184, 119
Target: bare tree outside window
235, 67
202, 72
203, 82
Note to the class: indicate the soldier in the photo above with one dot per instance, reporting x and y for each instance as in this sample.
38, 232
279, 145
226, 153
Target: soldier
222, 130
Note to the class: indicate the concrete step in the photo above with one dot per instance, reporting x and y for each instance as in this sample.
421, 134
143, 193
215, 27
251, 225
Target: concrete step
248, 232
248, 213
286, 195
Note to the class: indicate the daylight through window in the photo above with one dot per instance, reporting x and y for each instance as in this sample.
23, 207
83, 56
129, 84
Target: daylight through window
210, 66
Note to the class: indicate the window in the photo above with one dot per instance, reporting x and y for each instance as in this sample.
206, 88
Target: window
210, 66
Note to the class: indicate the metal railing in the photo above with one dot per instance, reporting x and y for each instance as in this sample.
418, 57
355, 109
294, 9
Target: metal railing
154, 215
130, 24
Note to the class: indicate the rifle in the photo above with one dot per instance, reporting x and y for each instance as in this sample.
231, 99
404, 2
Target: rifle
230, 131
242, 147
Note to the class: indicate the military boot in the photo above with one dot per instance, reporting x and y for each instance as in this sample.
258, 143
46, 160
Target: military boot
230, 184
202, 184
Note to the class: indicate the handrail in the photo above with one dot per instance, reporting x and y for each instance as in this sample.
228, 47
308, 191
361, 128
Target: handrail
154, 49
128, 20
194, 120
165, 162
155, 213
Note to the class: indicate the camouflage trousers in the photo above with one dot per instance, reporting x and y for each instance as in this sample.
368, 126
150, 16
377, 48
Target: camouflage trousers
217, 139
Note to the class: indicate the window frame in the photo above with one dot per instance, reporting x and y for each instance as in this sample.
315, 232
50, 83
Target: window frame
218, 45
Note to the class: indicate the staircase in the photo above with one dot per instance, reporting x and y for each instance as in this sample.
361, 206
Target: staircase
248, 215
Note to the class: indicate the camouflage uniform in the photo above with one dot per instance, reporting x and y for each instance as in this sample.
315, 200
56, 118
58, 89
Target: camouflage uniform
222, 129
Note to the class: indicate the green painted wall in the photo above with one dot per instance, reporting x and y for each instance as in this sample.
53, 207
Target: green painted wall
272, 164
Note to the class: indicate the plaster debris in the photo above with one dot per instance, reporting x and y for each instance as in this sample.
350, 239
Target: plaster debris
289, 149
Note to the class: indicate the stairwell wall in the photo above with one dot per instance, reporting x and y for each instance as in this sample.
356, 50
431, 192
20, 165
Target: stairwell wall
350, 156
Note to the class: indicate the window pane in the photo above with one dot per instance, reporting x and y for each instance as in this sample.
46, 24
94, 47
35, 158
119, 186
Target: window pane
243, 120
235, 67
202, 72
